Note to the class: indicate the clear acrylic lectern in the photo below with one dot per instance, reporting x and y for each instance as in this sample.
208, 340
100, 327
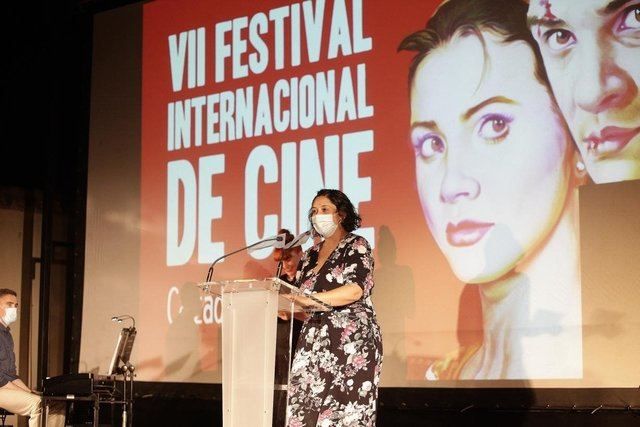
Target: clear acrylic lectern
249, 323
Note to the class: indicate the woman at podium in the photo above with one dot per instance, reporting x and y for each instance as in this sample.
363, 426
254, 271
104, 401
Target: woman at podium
337, 362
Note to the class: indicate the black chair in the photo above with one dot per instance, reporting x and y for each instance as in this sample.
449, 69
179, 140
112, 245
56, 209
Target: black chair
3, 416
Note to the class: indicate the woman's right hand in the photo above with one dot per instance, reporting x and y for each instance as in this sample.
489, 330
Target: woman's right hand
286, 315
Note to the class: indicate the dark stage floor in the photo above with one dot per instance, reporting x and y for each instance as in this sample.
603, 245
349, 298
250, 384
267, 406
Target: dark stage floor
199, 412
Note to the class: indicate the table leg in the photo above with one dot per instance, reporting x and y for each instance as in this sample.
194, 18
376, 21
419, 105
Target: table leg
45, 413
96, 412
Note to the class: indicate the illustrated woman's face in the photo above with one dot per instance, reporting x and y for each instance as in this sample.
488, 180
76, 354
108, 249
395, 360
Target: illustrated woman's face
591, 51
492, 155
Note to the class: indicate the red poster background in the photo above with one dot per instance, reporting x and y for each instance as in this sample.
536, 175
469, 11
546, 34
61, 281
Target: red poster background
416, 295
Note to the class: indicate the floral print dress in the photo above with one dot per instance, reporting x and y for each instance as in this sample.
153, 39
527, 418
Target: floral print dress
336, 366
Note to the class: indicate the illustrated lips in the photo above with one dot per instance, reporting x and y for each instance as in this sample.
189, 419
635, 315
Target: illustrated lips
609, 140
467, 232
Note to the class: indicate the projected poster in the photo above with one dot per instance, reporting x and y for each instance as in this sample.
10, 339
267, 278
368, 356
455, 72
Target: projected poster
462, 143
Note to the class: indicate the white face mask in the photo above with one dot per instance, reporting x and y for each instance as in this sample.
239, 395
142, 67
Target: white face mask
10, 315
324, 224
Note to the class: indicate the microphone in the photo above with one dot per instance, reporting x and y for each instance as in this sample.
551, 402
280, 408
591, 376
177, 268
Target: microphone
299, 240
119, 319
275, 241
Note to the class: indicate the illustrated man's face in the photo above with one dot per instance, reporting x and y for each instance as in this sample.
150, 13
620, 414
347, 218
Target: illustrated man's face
591, 50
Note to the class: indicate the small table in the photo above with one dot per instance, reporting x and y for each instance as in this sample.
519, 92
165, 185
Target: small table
96, 398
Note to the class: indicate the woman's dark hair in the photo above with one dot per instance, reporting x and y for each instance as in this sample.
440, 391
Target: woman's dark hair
507, 18
350, 218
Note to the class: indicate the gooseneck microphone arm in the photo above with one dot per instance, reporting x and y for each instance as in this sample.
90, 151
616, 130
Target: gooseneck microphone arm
278, 238
119, 319
300, 239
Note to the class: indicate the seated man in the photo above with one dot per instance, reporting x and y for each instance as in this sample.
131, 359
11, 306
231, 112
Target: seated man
15, 396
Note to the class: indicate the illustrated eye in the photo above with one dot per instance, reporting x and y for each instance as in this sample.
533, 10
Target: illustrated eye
559, 40
630, 19
428, 145
494, 127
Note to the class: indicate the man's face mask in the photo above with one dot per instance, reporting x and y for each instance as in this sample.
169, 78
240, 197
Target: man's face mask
10, 315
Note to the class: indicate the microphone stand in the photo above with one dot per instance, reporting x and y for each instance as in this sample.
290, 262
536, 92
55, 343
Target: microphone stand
127, 371
278, 238
299, 240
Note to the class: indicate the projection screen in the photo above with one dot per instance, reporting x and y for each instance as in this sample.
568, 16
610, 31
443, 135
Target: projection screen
495, 167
